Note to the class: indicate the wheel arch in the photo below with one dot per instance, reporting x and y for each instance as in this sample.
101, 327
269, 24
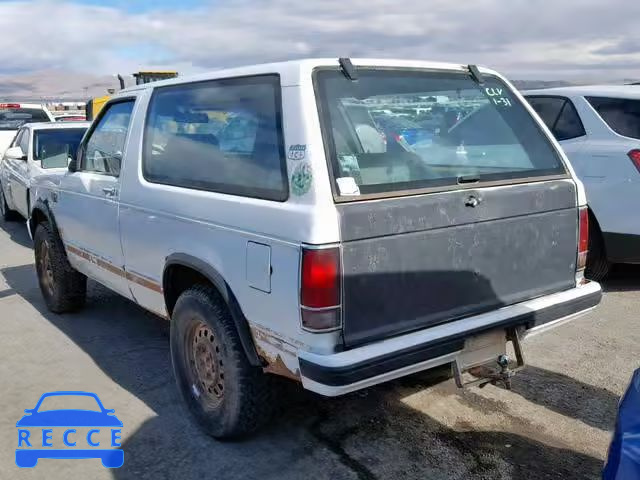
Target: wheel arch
178, 264
38, 213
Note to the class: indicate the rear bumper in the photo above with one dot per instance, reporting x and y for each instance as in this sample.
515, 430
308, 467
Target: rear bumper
351, 370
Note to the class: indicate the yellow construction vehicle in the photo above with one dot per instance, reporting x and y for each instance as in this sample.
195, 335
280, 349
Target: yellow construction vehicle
153, 76
94, 105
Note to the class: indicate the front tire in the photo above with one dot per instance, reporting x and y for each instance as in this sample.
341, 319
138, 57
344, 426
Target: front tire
6, 213
63, 288
227, 396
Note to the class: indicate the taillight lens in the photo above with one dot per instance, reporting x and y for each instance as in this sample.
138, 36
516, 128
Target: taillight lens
583, 238
634, 155
320, 288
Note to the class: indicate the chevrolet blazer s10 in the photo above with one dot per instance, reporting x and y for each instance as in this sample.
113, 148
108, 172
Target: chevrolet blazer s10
286, 225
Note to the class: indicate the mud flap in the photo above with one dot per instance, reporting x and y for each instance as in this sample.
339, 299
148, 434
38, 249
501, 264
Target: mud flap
485, 360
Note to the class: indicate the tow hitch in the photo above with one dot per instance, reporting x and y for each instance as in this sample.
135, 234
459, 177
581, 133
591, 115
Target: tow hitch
485, 360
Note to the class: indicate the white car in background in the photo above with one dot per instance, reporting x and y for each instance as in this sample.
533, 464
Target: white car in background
14, 115
37, 148
599, 130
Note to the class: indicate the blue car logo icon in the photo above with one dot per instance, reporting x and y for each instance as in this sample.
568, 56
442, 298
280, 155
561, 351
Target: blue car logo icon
35, 429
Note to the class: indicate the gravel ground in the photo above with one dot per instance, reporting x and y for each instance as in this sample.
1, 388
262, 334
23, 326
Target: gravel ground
555, 423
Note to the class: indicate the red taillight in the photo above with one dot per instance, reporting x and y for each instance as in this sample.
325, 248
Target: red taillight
320, 278
9, 105
583, 238
634, 155
320, 288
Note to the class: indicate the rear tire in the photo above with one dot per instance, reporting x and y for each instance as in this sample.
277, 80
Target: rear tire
7, 214
63, 288
228, 397
598, 265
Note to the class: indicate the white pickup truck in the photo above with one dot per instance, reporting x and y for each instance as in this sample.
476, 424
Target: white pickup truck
275, 216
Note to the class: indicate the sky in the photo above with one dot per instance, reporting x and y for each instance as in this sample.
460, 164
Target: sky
75, 47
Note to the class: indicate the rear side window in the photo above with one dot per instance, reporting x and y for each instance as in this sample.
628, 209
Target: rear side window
13, 117
622, 115
221, 135
560, 116
548, 108
397, 130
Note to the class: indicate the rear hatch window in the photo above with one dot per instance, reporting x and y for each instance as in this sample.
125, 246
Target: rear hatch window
395, 131
621, 114
14, 117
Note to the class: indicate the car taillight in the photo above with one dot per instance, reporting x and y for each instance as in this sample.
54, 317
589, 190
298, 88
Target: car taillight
320, 288
583, 238
634, 155
9, 105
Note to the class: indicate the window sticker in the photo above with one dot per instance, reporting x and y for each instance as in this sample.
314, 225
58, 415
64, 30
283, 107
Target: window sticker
348, 186
301, 179
349, 167
497, 96
297, 152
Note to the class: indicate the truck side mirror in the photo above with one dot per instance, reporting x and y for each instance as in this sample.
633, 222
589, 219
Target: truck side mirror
15, 153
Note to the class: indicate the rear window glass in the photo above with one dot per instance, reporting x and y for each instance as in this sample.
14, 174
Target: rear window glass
396, 130
56, 146
560, 116
14, 118
622, 115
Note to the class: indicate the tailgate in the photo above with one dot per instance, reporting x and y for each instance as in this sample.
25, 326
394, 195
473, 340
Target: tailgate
414, 262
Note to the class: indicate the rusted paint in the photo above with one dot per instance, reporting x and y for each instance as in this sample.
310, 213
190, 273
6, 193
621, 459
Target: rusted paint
274, 340
276, 366
273, 359
268, 333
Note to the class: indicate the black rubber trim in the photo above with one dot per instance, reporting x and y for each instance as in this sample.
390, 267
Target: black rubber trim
622, 247
341, 376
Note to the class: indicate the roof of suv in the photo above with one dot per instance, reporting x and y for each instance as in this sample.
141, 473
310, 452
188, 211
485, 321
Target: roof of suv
56, 125
293, 71
614, 91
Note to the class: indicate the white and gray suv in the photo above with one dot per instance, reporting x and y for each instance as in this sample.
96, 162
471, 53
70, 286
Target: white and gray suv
264, 213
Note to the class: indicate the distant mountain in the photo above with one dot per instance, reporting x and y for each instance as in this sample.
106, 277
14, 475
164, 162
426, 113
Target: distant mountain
536, 84
55, 85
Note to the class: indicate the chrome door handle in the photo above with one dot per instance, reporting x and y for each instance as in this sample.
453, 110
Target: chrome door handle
109, 192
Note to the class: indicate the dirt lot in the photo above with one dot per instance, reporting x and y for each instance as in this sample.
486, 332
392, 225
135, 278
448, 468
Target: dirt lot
555, 423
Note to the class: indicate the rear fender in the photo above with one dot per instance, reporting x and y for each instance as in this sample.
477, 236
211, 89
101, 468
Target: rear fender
240, 321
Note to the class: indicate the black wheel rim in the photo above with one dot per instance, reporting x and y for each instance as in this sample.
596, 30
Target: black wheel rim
205, 365
45, 271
